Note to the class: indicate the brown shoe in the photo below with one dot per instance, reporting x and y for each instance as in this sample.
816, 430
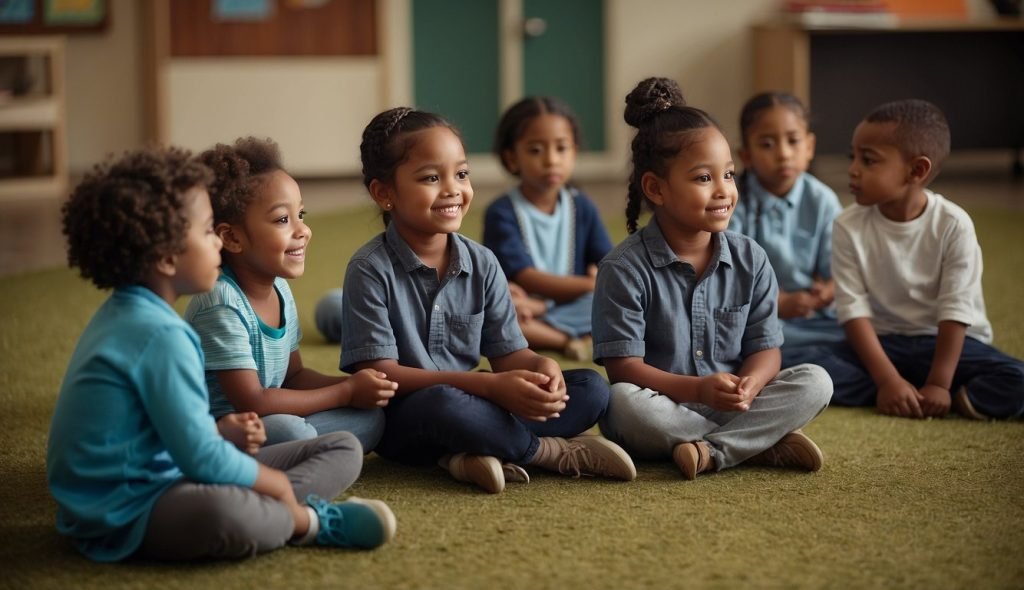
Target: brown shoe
962, 405
795, 450
693, 458
586, 455
482, 470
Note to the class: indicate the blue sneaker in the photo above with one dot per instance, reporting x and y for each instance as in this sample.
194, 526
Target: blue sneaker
356, 522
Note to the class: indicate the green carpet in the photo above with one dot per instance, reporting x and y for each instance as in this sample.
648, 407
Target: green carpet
899, 503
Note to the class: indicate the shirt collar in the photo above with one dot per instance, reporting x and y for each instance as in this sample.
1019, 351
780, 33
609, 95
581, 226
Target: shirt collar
790, 201
662, 255
459, 261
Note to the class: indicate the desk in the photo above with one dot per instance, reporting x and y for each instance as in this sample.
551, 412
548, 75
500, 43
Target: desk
973, 70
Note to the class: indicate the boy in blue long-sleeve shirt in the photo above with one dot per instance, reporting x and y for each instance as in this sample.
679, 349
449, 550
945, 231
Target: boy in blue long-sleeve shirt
134, 460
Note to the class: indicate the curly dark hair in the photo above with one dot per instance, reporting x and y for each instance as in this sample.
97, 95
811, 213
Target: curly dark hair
665, 125
518, 116
920, 129
386, 142
127, 214
238, 172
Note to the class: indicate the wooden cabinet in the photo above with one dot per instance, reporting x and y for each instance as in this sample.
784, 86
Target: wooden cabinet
33, 151
970, 69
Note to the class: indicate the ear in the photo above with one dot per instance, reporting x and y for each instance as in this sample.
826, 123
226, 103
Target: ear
383, 194
508, 157
652, 186
167, 266
812, 143
229, 236
744, 154
920, 170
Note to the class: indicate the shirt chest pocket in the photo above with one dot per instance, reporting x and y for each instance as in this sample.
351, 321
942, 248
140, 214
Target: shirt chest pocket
464, 332
730, 324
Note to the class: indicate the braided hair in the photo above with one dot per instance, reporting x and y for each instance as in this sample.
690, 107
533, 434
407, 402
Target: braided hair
517, 118
664, 124
387, 140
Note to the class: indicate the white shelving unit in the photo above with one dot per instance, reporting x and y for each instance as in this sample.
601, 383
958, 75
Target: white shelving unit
33, 150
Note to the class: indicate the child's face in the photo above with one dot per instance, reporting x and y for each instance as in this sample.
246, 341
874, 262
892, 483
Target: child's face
431, 192
699, 191
778, 148
197, 268
544, 156
879, 173
273, 237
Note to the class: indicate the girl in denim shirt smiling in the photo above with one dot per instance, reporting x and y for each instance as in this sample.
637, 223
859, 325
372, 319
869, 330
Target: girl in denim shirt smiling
422, 303
685, 313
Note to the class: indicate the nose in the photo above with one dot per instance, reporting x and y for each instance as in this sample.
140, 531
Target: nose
852, 170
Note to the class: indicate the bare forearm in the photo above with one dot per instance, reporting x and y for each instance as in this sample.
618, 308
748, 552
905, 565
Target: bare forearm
309, 379
679, 388
274, 400
948, 346
411, 379
551, 286
862, 337
762, 366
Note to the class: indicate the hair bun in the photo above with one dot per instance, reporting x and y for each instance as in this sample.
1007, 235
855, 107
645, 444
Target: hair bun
650, 97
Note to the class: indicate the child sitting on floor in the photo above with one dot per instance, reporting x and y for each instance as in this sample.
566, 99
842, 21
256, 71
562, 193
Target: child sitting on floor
547, 236
137, 465
908, 282
249, 324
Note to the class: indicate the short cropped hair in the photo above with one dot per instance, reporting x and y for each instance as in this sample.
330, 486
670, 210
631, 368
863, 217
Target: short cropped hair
920, 129
125, 215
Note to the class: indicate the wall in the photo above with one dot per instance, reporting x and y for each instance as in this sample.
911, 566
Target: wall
103, 88
704, 45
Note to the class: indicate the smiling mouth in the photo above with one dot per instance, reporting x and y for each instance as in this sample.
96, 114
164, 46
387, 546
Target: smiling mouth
449, 210
719, 210
296, 252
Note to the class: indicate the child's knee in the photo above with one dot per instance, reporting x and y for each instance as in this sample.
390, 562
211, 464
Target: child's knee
815, 384
327, 315
285, 427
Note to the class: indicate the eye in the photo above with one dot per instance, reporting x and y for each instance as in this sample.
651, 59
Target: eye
282, 220
730, 175
302, 213
534, 151
430, 178
462, 174
704, 178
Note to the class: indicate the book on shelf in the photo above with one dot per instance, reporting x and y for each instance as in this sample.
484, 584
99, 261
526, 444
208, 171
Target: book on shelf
840, 14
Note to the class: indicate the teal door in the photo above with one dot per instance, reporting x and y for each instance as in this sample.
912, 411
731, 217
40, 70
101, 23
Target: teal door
457, 52
455, 65
567, 59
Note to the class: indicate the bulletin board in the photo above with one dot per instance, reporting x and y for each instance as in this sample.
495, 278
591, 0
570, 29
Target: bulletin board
214, 28
50, 17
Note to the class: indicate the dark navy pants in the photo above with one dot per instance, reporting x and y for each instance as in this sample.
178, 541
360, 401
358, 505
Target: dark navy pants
424, 425
995, 381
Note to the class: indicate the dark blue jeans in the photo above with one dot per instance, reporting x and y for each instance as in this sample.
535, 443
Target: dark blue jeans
426, 424
995, 381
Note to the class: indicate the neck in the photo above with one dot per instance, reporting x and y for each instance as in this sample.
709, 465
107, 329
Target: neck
162, 286
693, 246
905, 209
546, 201
257, 287
432, 249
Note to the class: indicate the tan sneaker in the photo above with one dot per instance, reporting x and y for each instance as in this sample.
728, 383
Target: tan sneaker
514, 473
693, 458
795, 450
483, 470
587, 455
962, 405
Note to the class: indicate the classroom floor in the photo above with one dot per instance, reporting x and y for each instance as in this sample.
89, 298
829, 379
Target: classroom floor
30, 234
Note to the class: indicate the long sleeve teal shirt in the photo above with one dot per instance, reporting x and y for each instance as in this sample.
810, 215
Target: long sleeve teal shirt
132, 419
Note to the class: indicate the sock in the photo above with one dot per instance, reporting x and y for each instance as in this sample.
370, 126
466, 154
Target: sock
314, 528
548, 452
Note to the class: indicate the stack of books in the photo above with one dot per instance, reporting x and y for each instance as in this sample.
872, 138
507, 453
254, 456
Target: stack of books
840, 14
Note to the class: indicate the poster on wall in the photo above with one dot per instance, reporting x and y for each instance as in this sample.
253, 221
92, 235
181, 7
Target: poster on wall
242, 10
53, 17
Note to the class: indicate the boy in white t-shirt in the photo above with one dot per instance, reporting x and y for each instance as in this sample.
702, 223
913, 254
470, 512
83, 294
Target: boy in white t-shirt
907, 266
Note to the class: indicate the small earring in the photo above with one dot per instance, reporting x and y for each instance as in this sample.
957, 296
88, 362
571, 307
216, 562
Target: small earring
387, 206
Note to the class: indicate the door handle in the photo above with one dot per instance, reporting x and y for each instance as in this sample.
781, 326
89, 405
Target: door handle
534, 27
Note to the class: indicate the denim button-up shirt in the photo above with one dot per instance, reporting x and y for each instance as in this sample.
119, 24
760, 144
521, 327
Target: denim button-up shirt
650, 304
395, 307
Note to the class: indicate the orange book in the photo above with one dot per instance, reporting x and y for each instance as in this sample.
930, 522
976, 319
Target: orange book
928, 8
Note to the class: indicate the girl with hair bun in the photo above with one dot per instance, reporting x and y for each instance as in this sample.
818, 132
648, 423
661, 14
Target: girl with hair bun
685, 313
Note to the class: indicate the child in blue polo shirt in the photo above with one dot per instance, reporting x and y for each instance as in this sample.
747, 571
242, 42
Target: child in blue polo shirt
137, 465
422, 303
685, 312
789, 213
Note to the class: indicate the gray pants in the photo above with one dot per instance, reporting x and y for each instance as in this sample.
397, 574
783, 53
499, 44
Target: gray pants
649, 425
194, 520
